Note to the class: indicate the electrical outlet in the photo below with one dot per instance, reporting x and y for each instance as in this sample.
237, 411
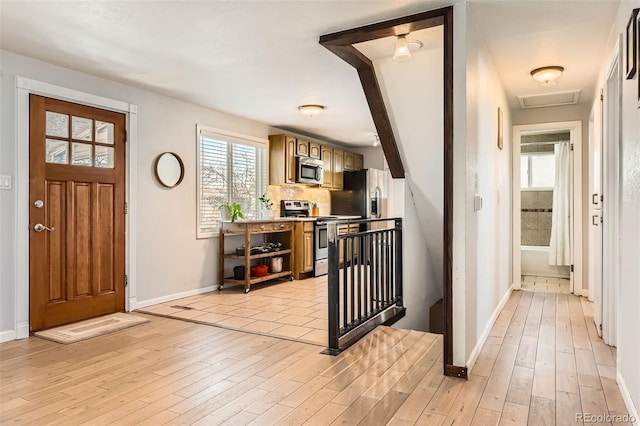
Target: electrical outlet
5, 181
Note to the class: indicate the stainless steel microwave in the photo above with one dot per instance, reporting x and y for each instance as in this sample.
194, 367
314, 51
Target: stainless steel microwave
309, 171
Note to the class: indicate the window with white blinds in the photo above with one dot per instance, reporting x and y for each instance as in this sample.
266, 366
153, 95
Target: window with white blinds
231, 168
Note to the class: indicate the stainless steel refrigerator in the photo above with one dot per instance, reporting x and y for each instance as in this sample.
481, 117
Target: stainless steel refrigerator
364, 194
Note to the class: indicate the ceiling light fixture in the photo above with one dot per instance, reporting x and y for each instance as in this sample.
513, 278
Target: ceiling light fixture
311, 110
547, 75
404, 47
376, 140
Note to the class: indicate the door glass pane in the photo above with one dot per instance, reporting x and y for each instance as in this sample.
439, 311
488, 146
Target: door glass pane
104, 157
57, 124
81, 128
104, 132
81, 154
57, 152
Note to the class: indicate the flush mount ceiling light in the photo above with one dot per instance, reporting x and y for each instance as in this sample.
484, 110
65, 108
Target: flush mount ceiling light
547, 75
404, 47
311, 110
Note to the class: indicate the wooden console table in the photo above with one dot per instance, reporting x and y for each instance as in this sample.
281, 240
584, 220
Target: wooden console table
274, 231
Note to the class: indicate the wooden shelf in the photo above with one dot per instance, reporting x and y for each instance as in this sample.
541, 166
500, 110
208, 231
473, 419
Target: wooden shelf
255, 280
257, 256
247, 229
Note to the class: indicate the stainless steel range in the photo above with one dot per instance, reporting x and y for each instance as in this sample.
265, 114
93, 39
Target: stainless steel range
321, 246
300, 208
294, 208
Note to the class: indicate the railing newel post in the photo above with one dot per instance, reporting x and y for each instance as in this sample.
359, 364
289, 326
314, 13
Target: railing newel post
334, 290
398, 271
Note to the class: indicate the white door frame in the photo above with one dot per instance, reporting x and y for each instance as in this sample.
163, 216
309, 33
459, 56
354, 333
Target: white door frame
575, 130
25, 87
595, 205
612, 125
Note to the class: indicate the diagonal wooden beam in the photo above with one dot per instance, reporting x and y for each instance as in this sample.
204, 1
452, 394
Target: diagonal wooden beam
341, 44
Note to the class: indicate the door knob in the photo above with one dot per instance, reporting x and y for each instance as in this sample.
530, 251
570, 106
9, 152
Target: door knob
40, 227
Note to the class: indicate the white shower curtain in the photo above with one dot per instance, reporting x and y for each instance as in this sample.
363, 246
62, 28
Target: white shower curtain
559, 247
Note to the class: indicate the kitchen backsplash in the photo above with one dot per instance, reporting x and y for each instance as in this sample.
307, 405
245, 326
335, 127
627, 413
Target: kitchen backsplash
300, 192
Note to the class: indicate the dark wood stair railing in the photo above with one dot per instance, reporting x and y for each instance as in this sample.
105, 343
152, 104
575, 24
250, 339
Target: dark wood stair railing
365, 285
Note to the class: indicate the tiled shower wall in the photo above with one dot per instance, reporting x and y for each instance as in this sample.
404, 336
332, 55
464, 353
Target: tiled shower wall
536, 217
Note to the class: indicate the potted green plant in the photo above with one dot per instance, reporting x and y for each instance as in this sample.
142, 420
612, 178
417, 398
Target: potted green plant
266, 205
231, 211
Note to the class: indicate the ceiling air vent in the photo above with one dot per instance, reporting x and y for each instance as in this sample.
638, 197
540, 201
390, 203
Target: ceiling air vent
550, 99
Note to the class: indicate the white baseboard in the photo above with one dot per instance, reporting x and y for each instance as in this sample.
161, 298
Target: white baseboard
626, 396
485, 333
7, 335
23, 330
134, 304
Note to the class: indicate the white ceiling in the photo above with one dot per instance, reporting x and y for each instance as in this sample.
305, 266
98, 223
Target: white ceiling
261, 60
525, 35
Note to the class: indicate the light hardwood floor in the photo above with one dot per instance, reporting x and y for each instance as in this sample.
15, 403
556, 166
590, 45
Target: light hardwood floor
541, 364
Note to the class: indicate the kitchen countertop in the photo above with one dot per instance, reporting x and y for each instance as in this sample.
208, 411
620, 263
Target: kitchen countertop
289, 219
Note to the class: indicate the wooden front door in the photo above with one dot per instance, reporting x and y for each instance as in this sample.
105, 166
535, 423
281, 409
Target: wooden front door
76, 212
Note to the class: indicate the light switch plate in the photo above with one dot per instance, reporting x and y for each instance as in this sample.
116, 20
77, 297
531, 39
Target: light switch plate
5, 181
477, 203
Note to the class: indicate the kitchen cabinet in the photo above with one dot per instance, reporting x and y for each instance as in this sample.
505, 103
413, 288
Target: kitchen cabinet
302, 148
277, 231
303, 249
358, 162
282, 159
343, 230
327, 169
315, 150
283, 150
353, 161
348, 161
338, 169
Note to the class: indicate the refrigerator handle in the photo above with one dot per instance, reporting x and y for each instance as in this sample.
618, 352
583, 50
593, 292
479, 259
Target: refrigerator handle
376, 200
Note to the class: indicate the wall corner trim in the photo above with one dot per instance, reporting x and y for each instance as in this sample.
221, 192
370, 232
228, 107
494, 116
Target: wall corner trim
626, 396
485, 333
22, 330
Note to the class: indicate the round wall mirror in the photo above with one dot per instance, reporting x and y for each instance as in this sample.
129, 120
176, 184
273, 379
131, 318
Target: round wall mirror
169, 169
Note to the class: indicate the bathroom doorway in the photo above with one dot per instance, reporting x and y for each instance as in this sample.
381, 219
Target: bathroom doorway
547, 214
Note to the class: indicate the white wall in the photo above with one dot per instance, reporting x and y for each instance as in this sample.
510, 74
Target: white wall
569, 113
488, 174
419, 295
629, 248
413, 93
373, 157
170, 259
